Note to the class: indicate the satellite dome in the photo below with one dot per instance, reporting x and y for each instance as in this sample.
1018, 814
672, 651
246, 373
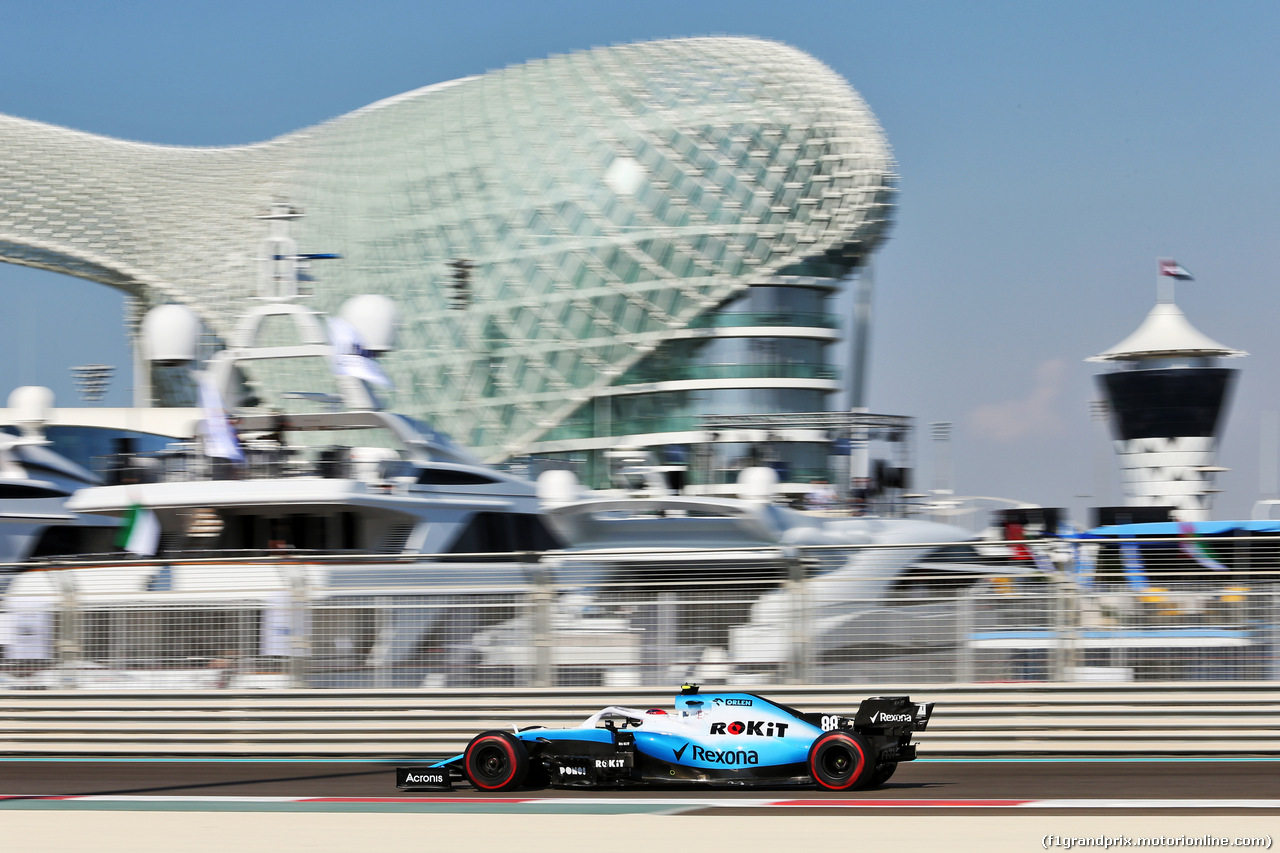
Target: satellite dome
757, 484
557, 487
170, 334
31, 405
374, 318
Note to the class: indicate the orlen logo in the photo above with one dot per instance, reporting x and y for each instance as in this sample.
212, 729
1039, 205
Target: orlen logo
751, 728
882, 717
744, 703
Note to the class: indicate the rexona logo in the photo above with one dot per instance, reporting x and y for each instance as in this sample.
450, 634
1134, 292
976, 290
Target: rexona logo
746, 703
751, 728
882, 717
730, 757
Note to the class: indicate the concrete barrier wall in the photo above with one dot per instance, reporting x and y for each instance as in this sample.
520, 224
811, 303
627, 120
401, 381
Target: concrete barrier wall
1209, 718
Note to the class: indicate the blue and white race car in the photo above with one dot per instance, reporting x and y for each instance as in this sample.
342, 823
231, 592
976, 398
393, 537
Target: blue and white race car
715, 738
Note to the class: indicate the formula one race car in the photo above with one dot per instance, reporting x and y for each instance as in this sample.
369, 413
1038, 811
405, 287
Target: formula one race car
716, 738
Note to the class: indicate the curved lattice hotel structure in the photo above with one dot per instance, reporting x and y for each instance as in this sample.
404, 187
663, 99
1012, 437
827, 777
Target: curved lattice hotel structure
653, 233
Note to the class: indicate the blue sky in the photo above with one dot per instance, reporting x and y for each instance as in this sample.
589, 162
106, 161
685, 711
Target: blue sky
1049, 152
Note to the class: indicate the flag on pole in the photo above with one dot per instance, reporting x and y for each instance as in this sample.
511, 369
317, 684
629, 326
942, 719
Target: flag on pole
1195, 549
349, 359
140, 533
1040, 554
219, 438
1086, 563
1170, 267
1135, 573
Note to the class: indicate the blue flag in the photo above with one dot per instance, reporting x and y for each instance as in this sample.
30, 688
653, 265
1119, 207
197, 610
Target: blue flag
219, 438
1134, 571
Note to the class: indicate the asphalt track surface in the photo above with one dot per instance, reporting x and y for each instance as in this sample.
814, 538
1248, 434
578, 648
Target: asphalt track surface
1102, 785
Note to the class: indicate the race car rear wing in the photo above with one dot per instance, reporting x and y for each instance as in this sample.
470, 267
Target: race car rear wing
892, 715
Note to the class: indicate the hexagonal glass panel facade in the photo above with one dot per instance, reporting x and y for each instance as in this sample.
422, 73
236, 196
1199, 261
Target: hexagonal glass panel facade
642, 221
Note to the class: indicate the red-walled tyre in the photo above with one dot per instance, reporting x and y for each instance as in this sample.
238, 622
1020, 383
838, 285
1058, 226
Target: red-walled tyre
840, 761
495, 761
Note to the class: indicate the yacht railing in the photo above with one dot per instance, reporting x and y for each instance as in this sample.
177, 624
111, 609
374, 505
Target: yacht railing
186, 461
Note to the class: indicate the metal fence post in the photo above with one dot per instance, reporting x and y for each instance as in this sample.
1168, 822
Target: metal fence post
1069, 633
965, 604
67, 646
1274, 632
542, 601
1057, 655
384, 626
798, 648
299, 628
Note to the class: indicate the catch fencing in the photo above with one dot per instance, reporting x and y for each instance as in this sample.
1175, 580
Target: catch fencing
1053, 611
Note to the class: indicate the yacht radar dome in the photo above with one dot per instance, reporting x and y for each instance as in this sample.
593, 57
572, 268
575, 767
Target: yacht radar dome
758, 484
170, 334
558, 487
32, 406
374, 317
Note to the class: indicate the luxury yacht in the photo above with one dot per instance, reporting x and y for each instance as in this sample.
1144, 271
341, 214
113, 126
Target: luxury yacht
263, 519
655, 585
35, 483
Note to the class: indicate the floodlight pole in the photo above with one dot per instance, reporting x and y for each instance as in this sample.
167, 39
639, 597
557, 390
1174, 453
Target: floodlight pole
859, 336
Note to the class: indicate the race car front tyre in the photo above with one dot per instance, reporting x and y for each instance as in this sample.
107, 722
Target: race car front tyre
495, 761
839, 761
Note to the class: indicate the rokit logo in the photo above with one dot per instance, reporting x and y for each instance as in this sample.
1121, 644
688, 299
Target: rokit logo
751, 728
611, 763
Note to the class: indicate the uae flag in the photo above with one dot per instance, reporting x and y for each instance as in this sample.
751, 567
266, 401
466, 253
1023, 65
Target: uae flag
140, 533
1170, 267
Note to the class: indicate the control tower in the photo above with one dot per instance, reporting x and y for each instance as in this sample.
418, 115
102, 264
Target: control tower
1166, 394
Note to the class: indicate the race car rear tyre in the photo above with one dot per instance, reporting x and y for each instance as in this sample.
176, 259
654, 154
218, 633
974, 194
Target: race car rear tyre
840, 761
881, 774
495, 761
